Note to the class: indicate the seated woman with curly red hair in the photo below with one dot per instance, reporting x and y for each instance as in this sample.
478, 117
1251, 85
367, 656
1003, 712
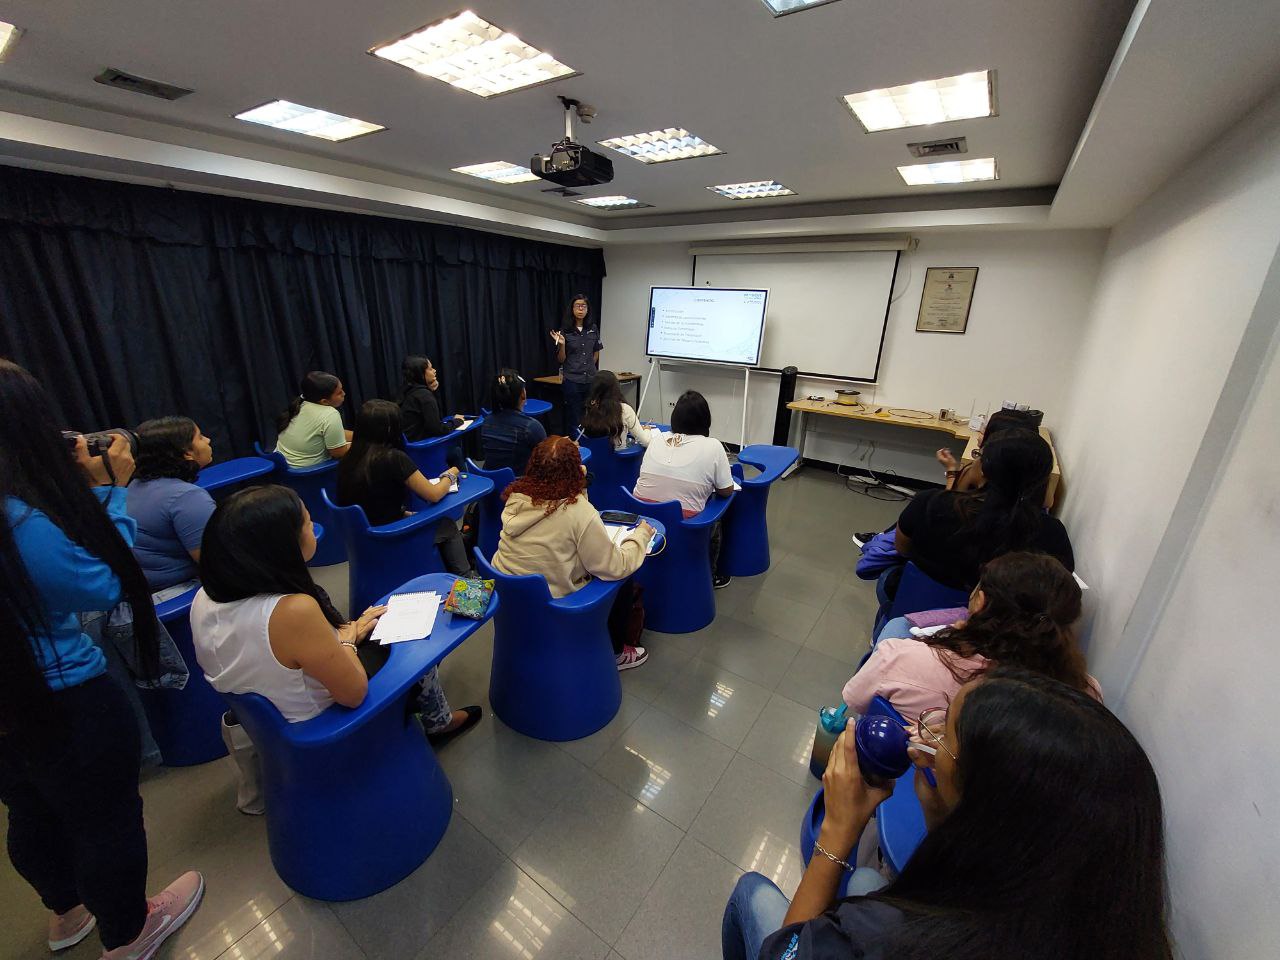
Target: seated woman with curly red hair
550, 528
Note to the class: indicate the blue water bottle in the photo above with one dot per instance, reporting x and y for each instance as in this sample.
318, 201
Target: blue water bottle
831, 723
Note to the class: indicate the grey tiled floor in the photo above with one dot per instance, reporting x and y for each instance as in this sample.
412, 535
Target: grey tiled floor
623, 844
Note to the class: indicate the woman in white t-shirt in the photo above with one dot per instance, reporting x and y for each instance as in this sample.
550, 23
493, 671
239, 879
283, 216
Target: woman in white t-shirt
688, 466
606, 415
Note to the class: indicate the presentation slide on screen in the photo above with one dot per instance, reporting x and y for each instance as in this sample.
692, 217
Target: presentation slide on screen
705, 323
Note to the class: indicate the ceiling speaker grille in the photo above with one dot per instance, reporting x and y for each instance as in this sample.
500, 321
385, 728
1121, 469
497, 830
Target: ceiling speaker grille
939, 148
112, 77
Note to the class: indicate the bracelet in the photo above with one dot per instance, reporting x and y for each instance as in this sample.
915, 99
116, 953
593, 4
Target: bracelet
953, 473
347, 643
831, 856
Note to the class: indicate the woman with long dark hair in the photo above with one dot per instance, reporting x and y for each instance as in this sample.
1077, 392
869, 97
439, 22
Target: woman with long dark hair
164, 501
310, 431
509, 434
377, 474
420, 411
1022, 614
950, 535
578, 349
608, 415
69, 743
261, 625
549, 528
1045, 839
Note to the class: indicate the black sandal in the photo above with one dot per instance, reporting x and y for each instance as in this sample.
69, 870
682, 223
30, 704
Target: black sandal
438, 740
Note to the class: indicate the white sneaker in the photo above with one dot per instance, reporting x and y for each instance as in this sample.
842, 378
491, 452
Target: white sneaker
632, 657
166, 912
68, 929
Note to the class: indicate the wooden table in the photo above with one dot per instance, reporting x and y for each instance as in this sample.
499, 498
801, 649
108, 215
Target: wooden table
556, 380
909, 417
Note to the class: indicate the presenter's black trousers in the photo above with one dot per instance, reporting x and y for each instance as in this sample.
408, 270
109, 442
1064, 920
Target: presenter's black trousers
75, 815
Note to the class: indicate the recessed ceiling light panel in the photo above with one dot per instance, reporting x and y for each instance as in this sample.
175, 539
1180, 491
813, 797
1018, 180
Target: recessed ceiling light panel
8, 37
780, 8
962, 97
662, 146
613, 203
296, 118
498, 172
753, 190
952, 171
473, 55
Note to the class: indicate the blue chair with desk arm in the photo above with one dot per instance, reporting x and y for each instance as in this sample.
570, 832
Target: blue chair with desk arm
899, 820
745, 550
310, 483
554, 675
186, 723
432, 455
918, 591
610, 469
380, 557
679, 595
355, 798
490, 506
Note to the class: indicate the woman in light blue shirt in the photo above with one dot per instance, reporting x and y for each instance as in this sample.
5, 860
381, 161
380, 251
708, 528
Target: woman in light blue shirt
69, 744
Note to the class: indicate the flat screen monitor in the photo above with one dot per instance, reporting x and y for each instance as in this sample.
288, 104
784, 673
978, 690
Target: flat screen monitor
709, 324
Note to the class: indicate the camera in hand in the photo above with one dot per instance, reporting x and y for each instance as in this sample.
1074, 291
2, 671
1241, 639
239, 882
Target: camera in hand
98, 443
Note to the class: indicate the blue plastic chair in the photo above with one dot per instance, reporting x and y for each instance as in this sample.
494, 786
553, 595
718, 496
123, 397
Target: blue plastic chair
432, 456
899, 820
679, 595
355, 798
745, 550
554, 675
383, 556
186, 723
918, 591
309, 483
220, 477
533, 407
490, 514
611, 470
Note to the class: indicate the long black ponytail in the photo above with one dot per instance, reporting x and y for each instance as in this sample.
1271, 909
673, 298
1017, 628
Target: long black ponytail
1005, 514
316, 386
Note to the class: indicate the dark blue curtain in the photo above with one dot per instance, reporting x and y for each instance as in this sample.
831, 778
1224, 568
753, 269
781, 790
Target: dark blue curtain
131, 302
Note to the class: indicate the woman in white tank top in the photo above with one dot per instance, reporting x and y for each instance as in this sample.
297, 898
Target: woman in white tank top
261, 625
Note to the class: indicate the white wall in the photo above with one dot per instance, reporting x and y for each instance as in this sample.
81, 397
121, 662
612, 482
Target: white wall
1171, 441
1030, 303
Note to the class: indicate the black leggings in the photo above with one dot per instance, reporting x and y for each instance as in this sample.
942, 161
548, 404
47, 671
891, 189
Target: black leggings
75, 816
620, 615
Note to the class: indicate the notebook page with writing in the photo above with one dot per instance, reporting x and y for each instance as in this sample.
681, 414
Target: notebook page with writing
617, 533
409, 616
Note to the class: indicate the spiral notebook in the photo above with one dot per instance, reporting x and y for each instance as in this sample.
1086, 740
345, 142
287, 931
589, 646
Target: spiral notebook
409, 616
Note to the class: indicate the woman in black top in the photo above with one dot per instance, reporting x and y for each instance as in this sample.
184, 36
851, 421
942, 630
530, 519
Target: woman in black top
377, 474
1045, 840
578, 349
419, 409
950, 535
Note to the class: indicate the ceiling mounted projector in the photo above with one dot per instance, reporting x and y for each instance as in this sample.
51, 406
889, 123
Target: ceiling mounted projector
571, 164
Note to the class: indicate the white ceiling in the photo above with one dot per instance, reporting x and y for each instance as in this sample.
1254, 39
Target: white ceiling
765, 90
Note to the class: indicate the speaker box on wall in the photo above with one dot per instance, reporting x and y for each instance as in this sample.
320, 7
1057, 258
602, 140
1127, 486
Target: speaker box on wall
786, 393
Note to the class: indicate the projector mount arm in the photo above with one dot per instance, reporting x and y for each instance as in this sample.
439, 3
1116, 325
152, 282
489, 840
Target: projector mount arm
585, 111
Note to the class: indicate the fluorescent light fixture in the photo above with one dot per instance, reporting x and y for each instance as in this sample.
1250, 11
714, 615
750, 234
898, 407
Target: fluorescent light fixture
613, 203
9, 35
950, 171
662, 146
296, 118
753, 190
963, 97
780, 8
498, 172
473, 55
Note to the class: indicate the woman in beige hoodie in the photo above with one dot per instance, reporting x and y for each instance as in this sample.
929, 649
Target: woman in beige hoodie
550, 528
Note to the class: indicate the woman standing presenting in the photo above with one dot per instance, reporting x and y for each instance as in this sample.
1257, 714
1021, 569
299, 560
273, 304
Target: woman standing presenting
69, 750
578, 349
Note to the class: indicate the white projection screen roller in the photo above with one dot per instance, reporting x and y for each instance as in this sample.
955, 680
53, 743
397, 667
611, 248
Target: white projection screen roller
827, 311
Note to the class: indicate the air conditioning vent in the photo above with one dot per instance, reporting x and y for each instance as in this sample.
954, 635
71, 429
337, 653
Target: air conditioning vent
939, 148
112, 77
563, 191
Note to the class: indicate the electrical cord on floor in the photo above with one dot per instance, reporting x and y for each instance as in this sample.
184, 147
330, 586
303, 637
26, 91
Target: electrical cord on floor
870, 486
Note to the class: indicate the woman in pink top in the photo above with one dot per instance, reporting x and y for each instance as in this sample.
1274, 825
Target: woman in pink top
1022, 614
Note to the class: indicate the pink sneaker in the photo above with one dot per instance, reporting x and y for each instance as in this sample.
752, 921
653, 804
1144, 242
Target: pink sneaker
68, 929
166, 912
632, 657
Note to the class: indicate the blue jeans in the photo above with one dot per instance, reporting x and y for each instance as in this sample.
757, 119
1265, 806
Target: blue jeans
897, 627
757, 908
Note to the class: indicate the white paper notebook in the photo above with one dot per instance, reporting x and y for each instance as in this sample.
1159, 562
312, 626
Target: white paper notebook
409, 616
453, 484
618, 532
464, 424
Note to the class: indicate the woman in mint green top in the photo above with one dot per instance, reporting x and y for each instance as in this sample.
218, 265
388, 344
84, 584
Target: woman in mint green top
310, 430
69, 742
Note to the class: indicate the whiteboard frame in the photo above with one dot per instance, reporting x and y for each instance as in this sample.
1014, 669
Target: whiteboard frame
813, 374
720, 363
